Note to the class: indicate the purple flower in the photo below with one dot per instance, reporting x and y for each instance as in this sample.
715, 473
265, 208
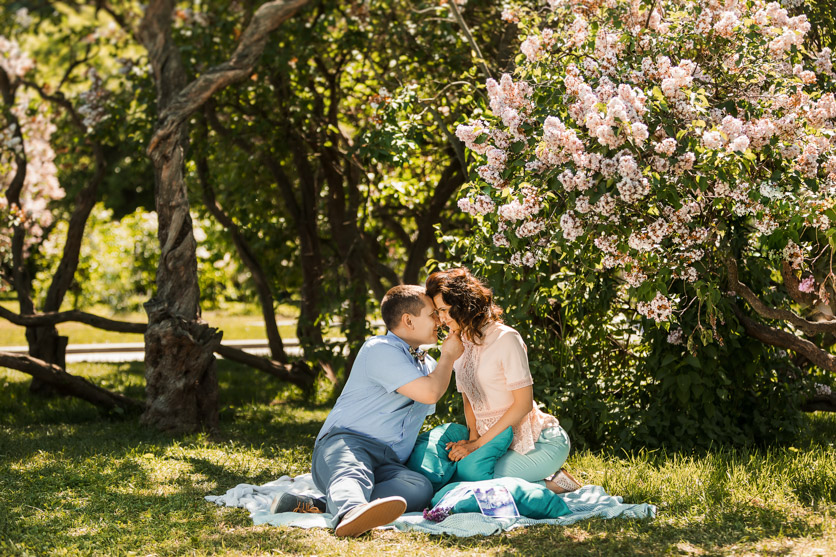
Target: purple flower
807, 285
437, 514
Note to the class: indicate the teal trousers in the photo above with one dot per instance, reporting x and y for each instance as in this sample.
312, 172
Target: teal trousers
549, 453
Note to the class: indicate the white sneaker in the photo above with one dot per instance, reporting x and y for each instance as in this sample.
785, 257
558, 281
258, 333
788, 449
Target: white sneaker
363, 518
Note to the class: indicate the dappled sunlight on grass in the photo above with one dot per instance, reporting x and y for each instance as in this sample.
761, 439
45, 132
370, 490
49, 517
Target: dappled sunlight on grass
77, 483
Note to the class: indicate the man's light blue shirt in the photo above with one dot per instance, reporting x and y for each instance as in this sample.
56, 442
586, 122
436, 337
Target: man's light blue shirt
370, 404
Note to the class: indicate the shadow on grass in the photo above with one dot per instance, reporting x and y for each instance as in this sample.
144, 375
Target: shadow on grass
74, 482
745, 526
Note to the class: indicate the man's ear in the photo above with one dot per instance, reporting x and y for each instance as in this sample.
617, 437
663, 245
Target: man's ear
406, 320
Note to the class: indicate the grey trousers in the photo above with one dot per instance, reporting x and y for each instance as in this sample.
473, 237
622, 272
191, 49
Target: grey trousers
352, 469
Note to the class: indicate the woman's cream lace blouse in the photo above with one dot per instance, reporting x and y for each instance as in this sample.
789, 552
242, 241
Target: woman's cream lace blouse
487, 373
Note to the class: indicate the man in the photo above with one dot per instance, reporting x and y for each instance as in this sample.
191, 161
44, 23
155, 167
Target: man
359, 454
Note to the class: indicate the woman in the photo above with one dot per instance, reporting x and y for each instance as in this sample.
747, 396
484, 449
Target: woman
496, 386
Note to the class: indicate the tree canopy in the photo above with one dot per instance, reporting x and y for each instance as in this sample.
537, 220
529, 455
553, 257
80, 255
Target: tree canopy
646, 185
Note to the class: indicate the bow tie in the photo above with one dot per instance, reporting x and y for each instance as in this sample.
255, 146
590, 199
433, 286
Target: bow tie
417, 353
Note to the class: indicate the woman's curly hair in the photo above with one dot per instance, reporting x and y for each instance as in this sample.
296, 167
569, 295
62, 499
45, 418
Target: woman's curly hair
471, 302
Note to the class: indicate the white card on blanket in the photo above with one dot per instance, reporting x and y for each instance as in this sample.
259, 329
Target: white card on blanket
496, 502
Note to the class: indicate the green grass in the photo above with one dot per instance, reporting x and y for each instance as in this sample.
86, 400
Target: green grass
73, 482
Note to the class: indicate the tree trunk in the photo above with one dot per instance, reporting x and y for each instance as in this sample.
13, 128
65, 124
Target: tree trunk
44, 342
46, 345
450, 181
182, 386
248, 257
343, 207
181, 383
308, 329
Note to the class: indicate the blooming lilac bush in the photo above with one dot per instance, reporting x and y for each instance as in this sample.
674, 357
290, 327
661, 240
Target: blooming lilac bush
654, 185
662, 142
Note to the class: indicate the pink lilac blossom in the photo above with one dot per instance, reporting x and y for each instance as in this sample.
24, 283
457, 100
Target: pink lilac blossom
571, 226
510, 16
608, 47
634, 277
532, 48
13, 60
481, 205
830, 168
689, 274
807, 162
807, 285
530, 228
560, 143
605, 206
607, 244
666, 146
677, 78
794, 255
806, 76
659, 309
684, 163
40, 184
726, 25
640, 241
824, 63
512, 211
578, 32
470, 133
510, 101
712, 140
740, 143
598, 133
500, 241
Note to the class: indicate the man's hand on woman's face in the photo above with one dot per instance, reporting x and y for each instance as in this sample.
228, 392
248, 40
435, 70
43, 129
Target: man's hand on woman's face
452, 346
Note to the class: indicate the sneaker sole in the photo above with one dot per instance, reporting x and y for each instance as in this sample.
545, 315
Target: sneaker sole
376, 515
277, 502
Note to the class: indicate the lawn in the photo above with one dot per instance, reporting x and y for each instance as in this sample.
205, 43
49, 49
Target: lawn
73, 482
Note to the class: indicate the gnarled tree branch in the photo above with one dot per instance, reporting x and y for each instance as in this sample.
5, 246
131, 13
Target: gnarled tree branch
808, 327
66, 383
55, 317
783, 339
265, 20
297, 373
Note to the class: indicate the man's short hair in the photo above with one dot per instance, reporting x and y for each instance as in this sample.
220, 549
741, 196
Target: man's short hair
404, 298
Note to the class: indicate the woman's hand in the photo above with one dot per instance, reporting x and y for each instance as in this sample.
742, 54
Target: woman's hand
460, 449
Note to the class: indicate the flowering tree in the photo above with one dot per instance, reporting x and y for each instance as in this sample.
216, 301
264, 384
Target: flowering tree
686, 148
30, 184
86, 105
